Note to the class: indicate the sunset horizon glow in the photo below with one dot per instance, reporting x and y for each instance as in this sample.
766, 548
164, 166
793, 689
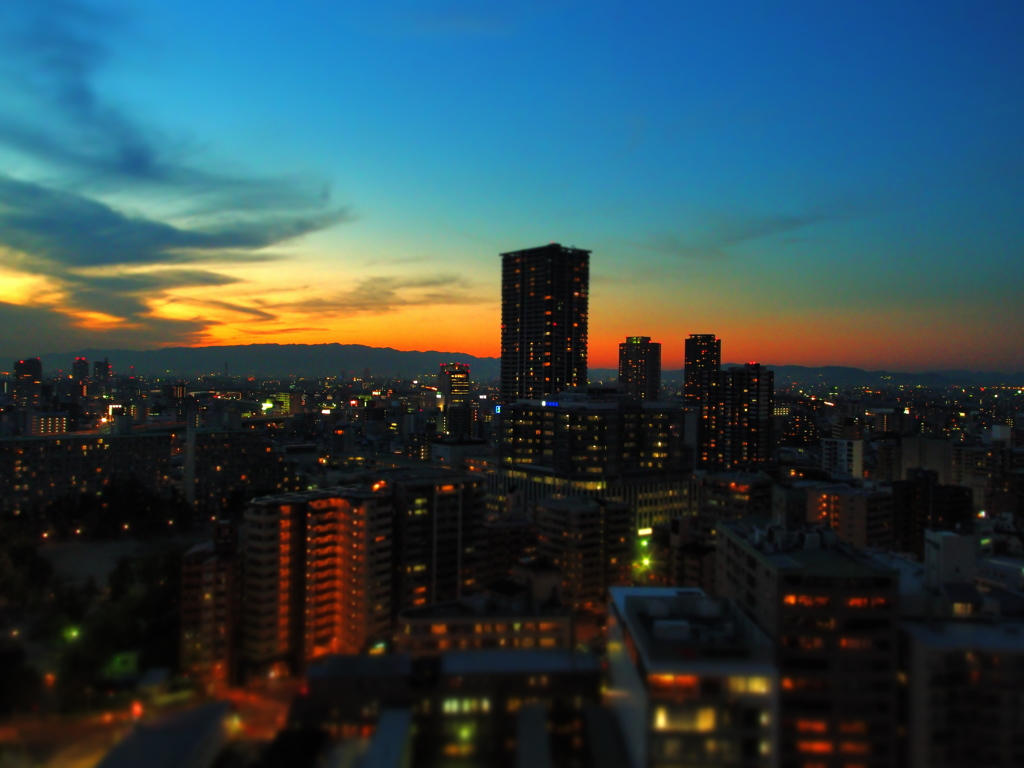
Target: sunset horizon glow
816, 184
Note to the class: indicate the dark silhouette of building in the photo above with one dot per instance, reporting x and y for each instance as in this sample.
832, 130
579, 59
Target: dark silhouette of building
28, 382
101, 371
640, 367
921, 503
543, 321
210, 592
80, 370
591, 542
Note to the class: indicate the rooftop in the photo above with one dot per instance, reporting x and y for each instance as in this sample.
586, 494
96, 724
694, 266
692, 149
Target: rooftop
670, 624
810, 549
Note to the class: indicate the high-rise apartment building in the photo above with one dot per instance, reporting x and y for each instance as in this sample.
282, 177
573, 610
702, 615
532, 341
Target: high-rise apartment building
735, 429
80, 370
702, 361
640, 367
543, 321
317, 576
438, 519
28, 382
590, 541
453, 388
832, 613
101, 371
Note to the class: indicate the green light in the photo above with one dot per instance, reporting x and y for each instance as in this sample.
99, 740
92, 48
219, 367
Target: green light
643, 542
466, 732
71, 633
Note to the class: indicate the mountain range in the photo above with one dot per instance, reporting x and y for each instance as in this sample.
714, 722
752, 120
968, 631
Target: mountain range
270, 360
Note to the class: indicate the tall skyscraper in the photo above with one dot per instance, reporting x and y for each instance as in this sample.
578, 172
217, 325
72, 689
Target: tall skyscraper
701, 380
28, 382
453, 386
80, 370
747, 396
101, 371
640, 367
703, 359
543, 321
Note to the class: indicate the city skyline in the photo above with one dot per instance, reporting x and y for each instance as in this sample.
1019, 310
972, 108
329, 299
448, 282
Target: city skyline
815, 185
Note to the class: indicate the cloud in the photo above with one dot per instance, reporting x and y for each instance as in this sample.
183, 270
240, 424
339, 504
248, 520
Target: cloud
41, 330
723, 232
385, 294
104, 261
107, 268
59, 117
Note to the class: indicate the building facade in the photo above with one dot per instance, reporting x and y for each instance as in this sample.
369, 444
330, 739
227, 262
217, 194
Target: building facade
640, 367
544, 305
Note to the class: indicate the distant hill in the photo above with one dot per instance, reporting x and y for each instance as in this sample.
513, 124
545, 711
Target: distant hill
352, 359
277, 360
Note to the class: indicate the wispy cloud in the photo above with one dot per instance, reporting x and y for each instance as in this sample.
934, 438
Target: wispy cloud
723, 232
381, 295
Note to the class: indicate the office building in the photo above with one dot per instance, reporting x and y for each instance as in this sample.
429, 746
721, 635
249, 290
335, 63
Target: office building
544, 300
693, 681
832, 612
640, 367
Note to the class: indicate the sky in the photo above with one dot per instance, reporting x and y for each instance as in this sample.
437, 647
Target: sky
835, 183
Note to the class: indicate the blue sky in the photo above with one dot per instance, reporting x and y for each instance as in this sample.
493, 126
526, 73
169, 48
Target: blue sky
817, 183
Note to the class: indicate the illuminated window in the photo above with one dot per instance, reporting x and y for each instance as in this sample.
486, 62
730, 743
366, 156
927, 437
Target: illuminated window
811, 726
749, 685
854, 747
855, 643
815, 747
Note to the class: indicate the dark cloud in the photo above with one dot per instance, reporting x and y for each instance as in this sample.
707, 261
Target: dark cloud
100, 258
56, 114
77, 231
41, 330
